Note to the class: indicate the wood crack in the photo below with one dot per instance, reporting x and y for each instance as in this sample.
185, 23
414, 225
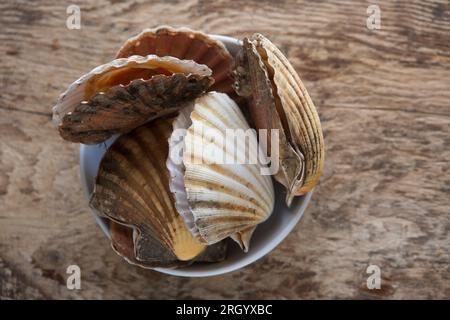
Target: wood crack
37, 113
440, 114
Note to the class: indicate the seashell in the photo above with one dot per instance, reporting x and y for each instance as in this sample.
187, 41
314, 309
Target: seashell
132, 188
216, 198
121, 95
122, 243
187, 44
279, 100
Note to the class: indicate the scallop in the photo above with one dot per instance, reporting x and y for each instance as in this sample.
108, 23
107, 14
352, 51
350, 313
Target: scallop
122, 243
125, 93
187, 44
217, 176
132, 189
278, 100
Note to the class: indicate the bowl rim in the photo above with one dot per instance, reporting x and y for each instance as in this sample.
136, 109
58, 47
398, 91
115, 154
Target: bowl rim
223, 269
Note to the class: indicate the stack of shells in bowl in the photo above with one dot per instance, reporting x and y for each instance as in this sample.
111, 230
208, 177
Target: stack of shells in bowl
167, 212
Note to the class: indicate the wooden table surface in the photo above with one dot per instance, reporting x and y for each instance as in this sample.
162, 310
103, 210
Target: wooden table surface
384, 100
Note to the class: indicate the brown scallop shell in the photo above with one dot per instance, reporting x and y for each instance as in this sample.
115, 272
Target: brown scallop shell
132, 188
125, 93
279, 100
122, 244
187, 44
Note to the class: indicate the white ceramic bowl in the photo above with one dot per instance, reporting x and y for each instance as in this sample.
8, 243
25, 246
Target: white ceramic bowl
266, 237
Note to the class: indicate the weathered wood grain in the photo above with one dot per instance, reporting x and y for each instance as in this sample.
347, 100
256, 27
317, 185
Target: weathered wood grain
384, 100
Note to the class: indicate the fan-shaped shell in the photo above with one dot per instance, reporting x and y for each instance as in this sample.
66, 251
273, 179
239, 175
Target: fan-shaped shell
253, 82
132, 188
187, 44
121, 95
279, 100
218, 198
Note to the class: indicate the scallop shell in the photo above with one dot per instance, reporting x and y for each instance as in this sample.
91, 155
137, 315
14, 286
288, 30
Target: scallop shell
122, 243
215, 198
132, 188
256, 85
121, 95
279, 100
184, 43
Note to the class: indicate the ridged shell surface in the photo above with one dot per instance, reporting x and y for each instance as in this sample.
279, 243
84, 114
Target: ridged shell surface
132, 188
177, 169
121, 95
299, 111
226, 197
122, 242
253, 83
187, 44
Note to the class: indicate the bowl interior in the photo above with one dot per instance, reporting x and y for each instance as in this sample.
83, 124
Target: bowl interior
265, 238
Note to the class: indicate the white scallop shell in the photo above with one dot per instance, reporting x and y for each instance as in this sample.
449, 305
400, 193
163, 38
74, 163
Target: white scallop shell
218, 199
176, 167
